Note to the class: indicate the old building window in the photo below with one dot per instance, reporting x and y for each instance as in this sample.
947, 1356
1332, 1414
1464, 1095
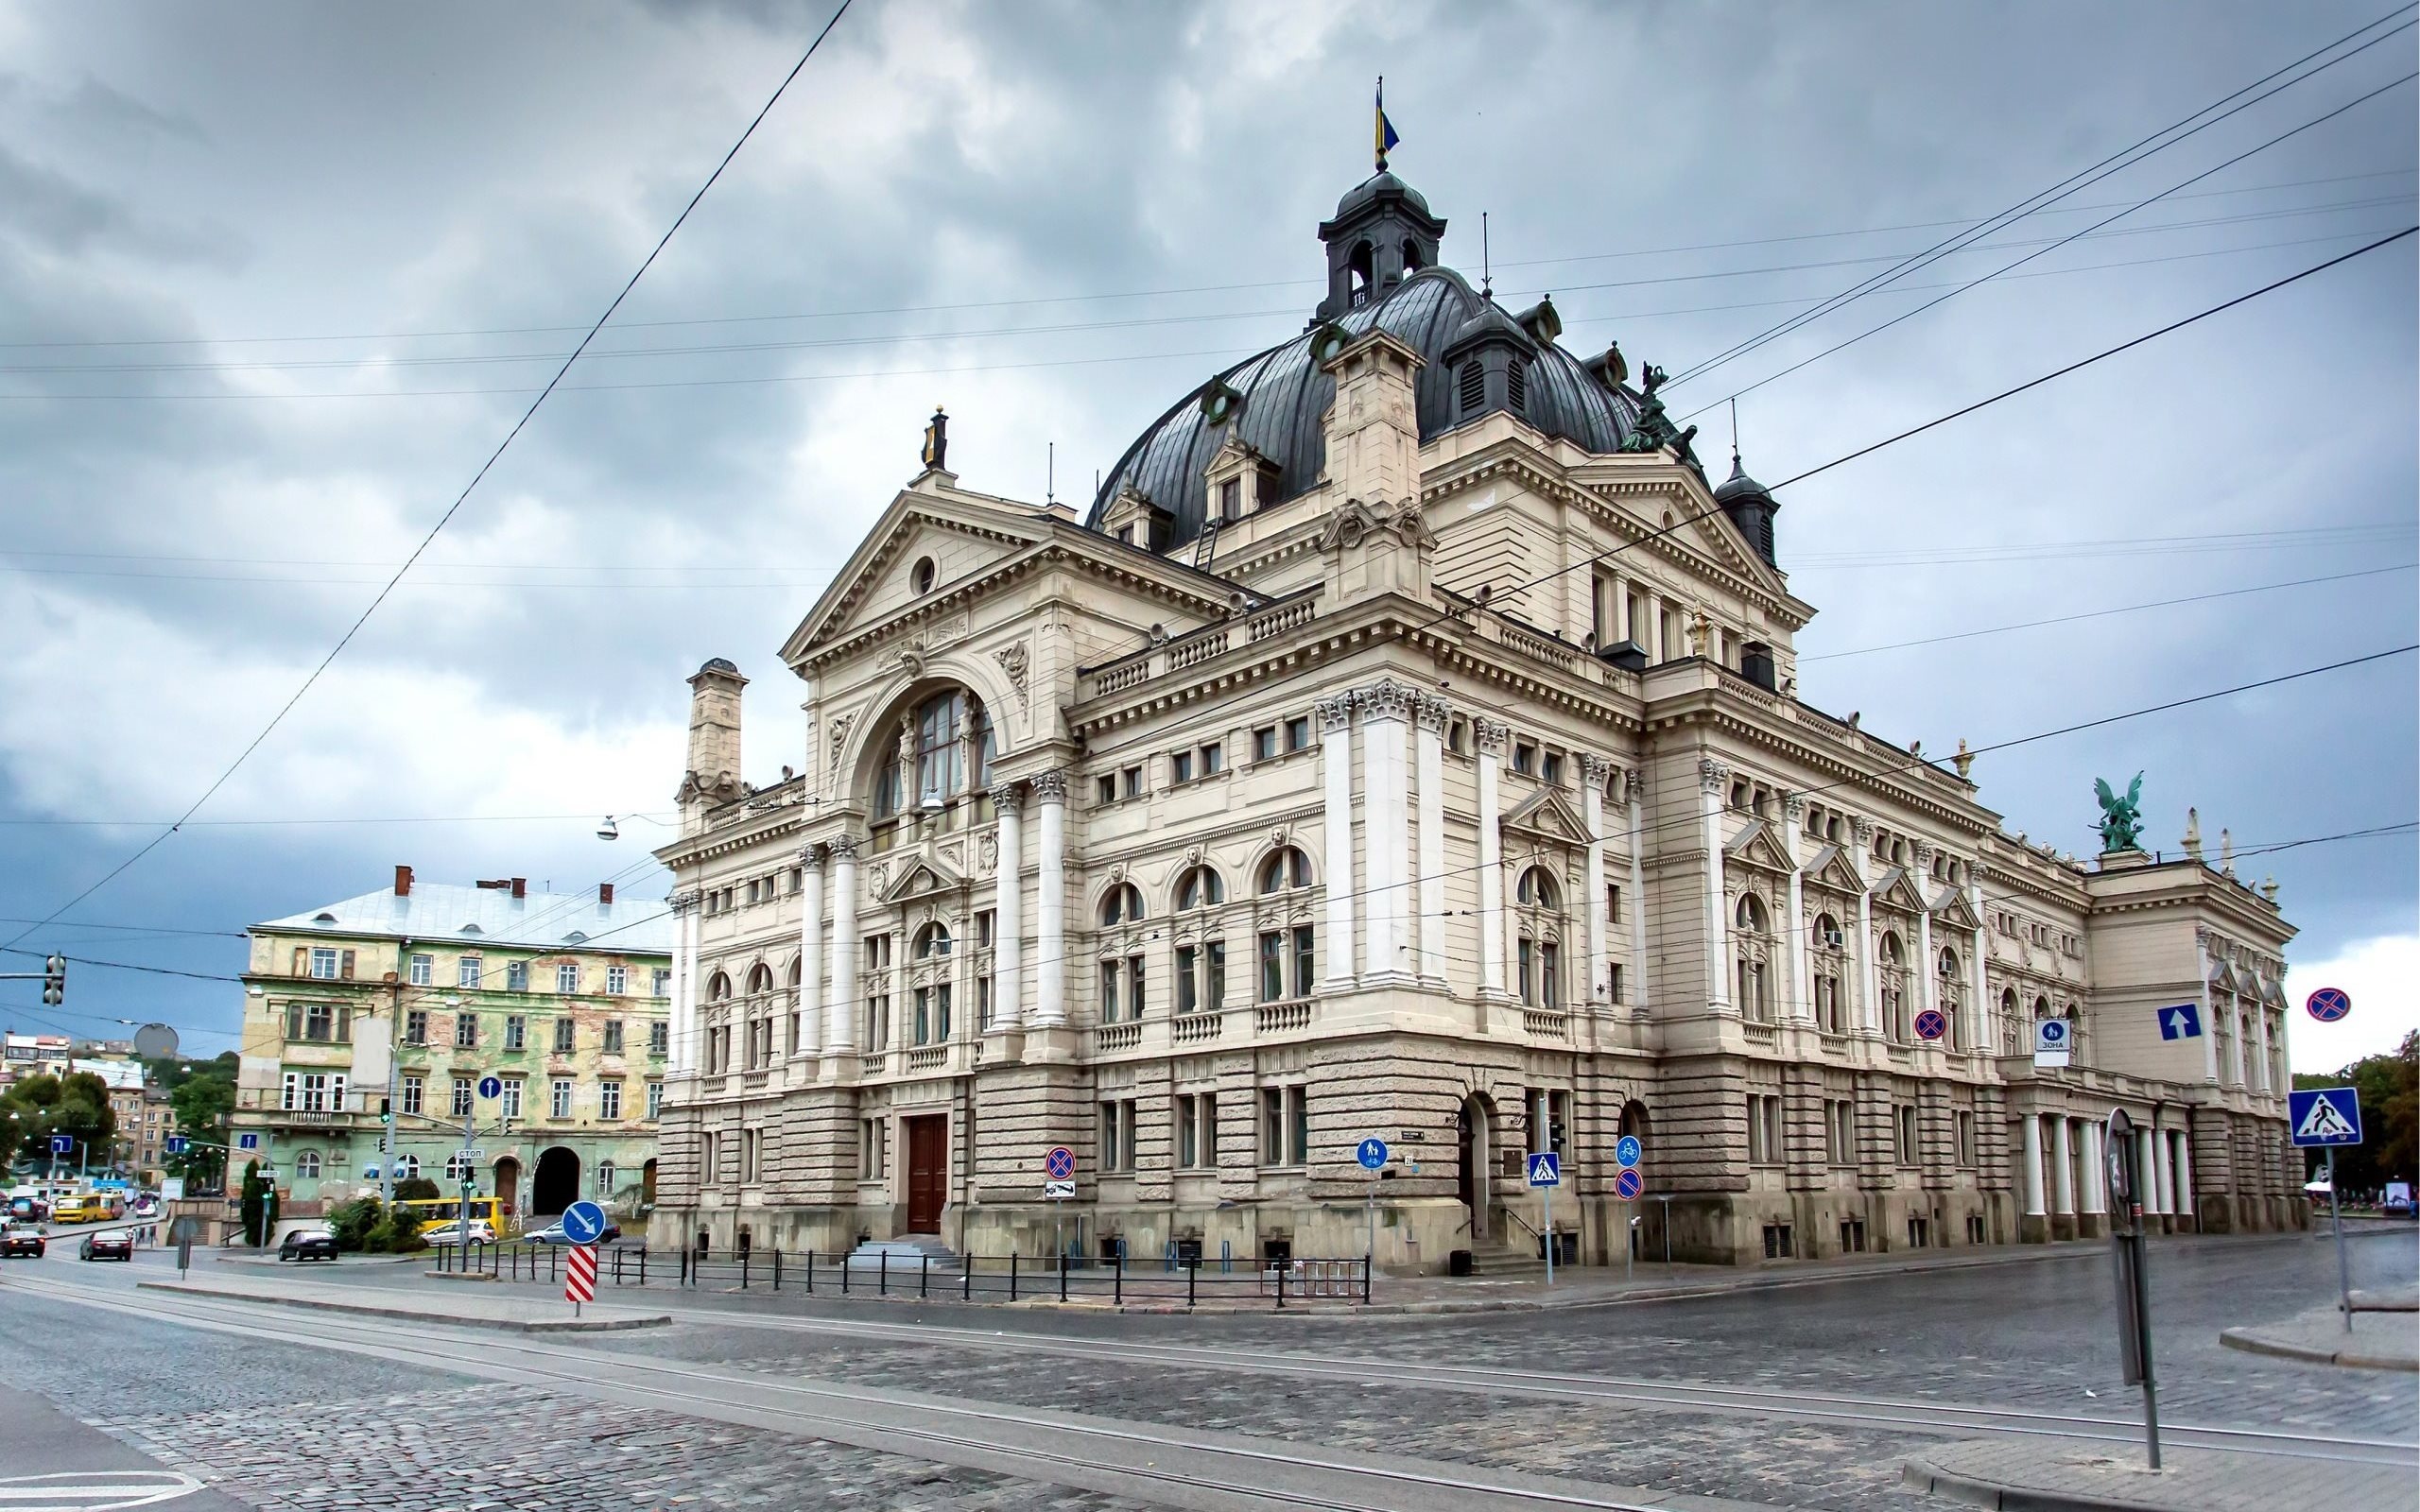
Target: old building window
945, 751
466, 1031
1839, 1131
1764, 1129
1263, 744
1516, 384
461, 1104
1230, 499
1197, 1130
612, 1046
1286, 869
1892, 971
564, 1031
659, 1038
415, 1089
1751, 965
654, 1100
306, 1166
1965, 1137
924, 574
1117, 1135
932, 940
1538, 948
423, 970
932, 1013
1201, 976
558, 1098
1904, 1134
1199, 887
466, 971
511, 1096
1121, 904
1121, 988
516, 976
516, 1032
617, 980
1298, 733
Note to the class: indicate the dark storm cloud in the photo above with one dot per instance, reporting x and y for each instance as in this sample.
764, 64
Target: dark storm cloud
468, 169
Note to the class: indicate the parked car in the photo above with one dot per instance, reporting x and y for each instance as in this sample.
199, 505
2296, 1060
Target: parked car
117, 1244
450, 1232
27, 1208
307, 1243
553, 1234
21, 1239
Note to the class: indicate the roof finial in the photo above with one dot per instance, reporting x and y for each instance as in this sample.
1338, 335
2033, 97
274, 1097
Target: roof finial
1384, 129
1735, 432
1486, 276
1050, 476
935, 449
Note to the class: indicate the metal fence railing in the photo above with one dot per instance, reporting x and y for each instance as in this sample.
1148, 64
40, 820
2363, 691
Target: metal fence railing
972, 1278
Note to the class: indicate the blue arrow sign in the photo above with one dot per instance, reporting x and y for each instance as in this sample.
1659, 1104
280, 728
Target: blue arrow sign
1546, 1169
2324, 1115
175, 1144
62, 1144
1371, 1153
1628, 1151
491, 1086
2183, 1022
583, 1223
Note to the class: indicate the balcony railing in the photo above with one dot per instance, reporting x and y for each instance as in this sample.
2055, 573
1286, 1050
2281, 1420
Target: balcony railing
1117, 1036
1195, 1029
926, 1057
1545, 1023
1278, 1018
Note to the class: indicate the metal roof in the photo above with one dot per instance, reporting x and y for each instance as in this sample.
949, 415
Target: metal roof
1286, 397
491, 915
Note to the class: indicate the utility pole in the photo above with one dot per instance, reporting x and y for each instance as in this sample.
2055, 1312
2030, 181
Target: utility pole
387, 1111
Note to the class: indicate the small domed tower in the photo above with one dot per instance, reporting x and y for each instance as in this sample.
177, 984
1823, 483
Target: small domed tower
1381, 234
1751, 507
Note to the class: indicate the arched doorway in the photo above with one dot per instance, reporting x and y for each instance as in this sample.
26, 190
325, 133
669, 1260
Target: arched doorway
556, 1184
507, 1183
646, 1184
1475, 1184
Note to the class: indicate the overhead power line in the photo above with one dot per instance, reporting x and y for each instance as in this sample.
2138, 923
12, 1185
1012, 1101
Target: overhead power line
461, 498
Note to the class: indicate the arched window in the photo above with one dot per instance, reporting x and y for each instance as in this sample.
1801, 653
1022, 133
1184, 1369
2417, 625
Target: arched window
306, 1166
1285, 868
1891, 952
1752, 977
1827, 933
458, 1168
1750, 914
1538, 950
606, 1176
932, 940
406, 1167
1948, 964
717, 987
945, 750
1895, 1025
1411, 258
1123, 904
760, 981
1537, 889
1199, 887
1362, 264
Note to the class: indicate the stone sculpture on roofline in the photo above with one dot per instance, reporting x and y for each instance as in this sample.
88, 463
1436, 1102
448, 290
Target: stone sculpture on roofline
2122, 818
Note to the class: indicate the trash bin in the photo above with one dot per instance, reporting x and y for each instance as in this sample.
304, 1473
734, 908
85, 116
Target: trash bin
1458, 1262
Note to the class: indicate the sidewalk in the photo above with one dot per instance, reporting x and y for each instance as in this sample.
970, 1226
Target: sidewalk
519, 1313
2035, 1476
2387, 1339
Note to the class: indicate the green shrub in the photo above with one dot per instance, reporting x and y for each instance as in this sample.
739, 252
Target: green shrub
353, 1221
393, 1235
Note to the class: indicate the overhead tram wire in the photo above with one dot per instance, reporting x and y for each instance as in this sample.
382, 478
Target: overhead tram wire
890, 338
2122, 158
1167, 293
462, 497
1910, 315
1479, 604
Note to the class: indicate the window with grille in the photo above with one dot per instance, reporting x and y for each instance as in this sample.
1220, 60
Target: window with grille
1516, 384
1474, 387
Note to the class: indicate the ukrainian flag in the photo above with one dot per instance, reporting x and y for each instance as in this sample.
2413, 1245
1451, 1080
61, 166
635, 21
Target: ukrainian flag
1385, 128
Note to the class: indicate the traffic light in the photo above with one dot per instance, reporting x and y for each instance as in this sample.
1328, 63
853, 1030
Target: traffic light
53, 980
386, 1110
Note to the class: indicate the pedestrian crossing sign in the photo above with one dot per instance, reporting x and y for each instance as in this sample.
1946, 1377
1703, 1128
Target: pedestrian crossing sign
2324, 1115
1546, 1169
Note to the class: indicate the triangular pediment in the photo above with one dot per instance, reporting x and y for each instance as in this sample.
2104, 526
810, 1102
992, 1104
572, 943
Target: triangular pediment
1950, 910
1829, 868
966, 540
1550, 817
1758, 845
1897, 889
920, 875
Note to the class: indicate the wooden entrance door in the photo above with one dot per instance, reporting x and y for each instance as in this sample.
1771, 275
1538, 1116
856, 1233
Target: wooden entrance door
927, 1173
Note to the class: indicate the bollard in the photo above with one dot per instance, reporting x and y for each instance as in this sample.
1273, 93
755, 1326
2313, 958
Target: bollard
966, 1284
1117, 1274
1365, 1280
777, 1272
925, 1279
882, 1283
1062, 1261
1190, 1271
743, 1270
810, 1273
1281, 1286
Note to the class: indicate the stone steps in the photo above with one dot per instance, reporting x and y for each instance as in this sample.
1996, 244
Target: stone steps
907, 1256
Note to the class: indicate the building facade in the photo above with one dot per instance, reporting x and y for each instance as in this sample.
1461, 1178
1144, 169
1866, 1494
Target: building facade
405, 1000
1408, 742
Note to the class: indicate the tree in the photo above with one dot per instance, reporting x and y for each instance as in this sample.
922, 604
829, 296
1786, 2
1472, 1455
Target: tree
2389, 1087
202, 1097
77, 1105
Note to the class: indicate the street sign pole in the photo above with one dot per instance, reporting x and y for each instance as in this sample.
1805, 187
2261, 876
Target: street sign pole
1545, 1202
2336, 1223
2129, 1251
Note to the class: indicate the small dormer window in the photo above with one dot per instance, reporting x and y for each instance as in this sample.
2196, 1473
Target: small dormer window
922, 575
1230, 499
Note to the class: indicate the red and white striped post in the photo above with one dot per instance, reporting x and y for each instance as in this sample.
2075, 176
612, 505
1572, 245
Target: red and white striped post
579, 1278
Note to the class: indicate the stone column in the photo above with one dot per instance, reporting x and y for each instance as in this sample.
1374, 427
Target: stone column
1430, 774
1336, 763
1927, 969
840, 993
2030, 1134
1487, 738
810, 951
1007, 912
1975, 1025
1802, 977
1869, 982
682, 1062
1635, 796
2155, 1157
2062, 1180
1386, 716
1713, 776
2184, 1183
1593, 772
2095, 1203
1050, 909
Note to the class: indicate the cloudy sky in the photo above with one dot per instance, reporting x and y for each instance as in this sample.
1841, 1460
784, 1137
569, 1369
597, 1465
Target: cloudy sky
274, 280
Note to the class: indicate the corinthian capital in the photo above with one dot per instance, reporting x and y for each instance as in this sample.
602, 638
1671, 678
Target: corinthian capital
1050, 787
1712, 774
1488, 736
1007, 797
843, 847
1594, 769
1385, 699
1432, 712
1336, 712
810, 856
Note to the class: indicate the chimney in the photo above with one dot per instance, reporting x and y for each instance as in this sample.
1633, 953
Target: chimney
520, 886
402, 882
604, 895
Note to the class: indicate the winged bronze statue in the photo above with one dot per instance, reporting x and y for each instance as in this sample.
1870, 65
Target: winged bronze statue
2122, 818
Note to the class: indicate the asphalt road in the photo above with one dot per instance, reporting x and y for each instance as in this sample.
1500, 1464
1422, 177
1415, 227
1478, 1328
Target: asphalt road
1804, 1398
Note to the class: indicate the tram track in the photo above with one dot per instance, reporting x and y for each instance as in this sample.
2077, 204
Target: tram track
1211, 1471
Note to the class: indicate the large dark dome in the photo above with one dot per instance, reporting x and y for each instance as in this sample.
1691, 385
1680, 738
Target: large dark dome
1284, 396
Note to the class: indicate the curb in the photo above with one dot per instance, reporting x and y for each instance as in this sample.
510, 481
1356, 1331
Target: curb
567, 1325
1923, 1475
2252, 1341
